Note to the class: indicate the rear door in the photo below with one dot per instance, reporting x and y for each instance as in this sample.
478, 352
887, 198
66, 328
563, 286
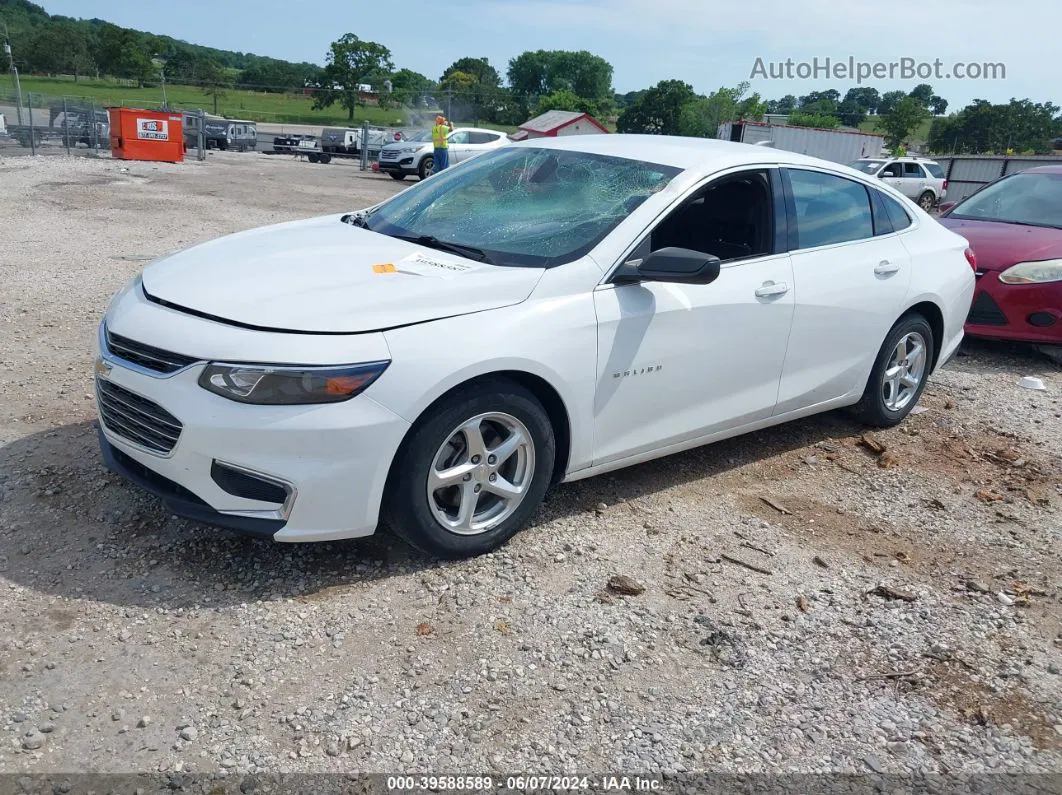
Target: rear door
459, 145
914, 181
852, 273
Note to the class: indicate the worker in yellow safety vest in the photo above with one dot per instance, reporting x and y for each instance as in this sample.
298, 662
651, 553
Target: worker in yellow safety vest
439, 134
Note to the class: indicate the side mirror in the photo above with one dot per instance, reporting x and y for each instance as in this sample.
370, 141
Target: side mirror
673, 265
943, 207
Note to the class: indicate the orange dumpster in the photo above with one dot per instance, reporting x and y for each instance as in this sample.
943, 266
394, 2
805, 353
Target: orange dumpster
146, 135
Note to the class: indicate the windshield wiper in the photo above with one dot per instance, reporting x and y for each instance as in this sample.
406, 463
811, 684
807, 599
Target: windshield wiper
356, 219
454, 248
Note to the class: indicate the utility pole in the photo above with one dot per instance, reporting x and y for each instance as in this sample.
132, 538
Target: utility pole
14, 71
450, 103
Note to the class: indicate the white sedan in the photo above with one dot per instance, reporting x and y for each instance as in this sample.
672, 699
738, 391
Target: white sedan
545, 312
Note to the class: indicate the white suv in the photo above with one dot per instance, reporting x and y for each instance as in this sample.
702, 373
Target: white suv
917, 178
416, 156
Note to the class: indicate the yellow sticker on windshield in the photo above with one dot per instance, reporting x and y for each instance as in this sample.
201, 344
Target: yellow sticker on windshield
385, 268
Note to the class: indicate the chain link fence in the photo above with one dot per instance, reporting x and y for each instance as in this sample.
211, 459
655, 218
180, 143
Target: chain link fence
38, 126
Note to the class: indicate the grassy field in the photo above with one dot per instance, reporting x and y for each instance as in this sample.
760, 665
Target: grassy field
921, 133
254, 106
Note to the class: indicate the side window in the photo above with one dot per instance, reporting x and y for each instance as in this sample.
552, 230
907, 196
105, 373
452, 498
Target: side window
829, 209
935, 170
482, 138
892, 170
913, 171
731, 218
897, 214
458, 137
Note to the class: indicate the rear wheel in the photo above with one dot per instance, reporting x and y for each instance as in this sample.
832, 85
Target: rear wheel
325, 158
900, 373
926, 200
313, 158
427, 167
473, 472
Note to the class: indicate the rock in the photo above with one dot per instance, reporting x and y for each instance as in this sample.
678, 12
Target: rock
1052, 668
874, 764
332, 749
977, 586
32, 741
627, 586
354, 742
1004, 599
46, 728
144, 722
189, 733
407, 757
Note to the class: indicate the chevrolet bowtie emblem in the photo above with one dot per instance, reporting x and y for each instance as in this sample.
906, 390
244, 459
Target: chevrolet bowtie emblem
103, 367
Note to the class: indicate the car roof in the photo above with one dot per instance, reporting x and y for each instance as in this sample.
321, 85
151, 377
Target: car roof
477, 129
1049, 169
688, 154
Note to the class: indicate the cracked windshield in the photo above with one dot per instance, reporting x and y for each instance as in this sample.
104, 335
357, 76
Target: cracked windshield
530, 207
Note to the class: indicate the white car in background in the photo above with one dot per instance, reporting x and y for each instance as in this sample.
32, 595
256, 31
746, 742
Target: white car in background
918, 178
417, 156
553, 310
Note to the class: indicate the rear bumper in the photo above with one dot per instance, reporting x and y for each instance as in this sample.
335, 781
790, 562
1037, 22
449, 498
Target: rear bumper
1016, 312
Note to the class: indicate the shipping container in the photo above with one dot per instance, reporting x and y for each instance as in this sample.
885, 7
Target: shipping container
837, 146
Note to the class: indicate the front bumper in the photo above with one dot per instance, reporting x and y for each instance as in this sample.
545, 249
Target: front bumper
301, 473
405, 164
1017, 312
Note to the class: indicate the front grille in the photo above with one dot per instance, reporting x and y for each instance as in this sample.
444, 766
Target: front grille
147, 356
385, 155
137, 419
986, 312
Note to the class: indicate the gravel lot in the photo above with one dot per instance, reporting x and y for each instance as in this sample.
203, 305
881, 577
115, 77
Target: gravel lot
905, 614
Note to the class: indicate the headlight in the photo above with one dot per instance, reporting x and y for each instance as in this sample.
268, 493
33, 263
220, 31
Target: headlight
266, 385
1048, 270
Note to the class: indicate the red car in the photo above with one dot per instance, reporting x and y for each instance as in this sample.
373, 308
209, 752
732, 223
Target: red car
1014, 226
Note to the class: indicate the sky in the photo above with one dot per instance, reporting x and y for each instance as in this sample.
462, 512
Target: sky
704, 43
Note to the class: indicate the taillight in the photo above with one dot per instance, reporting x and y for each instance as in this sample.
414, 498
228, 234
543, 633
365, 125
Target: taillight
971, 258
945, 184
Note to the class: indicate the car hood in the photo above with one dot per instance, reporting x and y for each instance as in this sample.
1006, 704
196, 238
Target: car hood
325, 276
998, 245
406, 145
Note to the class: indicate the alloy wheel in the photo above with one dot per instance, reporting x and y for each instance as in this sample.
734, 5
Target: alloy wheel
904, 373
481, 473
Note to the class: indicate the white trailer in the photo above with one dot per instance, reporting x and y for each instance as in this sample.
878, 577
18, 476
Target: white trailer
837, 146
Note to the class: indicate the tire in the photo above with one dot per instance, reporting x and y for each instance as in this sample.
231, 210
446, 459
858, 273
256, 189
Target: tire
438, 440
397, 175
887, 400
927, 200
426, 167
313, 158
325, 158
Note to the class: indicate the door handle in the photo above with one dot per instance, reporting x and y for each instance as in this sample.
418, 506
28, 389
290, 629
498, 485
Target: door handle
772, 288
886, 268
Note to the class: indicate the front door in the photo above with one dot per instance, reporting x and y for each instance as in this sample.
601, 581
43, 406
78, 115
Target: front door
679, 362
458, 145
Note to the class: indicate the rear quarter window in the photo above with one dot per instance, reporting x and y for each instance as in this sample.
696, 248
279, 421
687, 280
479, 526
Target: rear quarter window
935, 170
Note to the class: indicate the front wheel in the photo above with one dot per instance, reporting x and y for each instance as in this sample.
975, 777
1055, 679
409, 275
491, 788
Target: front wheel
899, 375
926, 201
427, 167
471, 475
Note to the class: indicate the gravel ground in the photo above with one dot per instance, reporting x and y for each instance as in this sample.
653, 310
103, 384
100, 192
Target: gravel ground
899, 612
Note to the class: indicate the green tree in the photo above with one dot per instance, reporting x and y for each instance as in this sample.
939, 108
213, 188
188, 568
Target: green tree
786, 104
216, 81
544, 72
349, 63
864, 97
471, 89
903, 120
821, 121
60, 49
659, 110
410, 88
701, 116
565, 100
982, 127
888, 102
